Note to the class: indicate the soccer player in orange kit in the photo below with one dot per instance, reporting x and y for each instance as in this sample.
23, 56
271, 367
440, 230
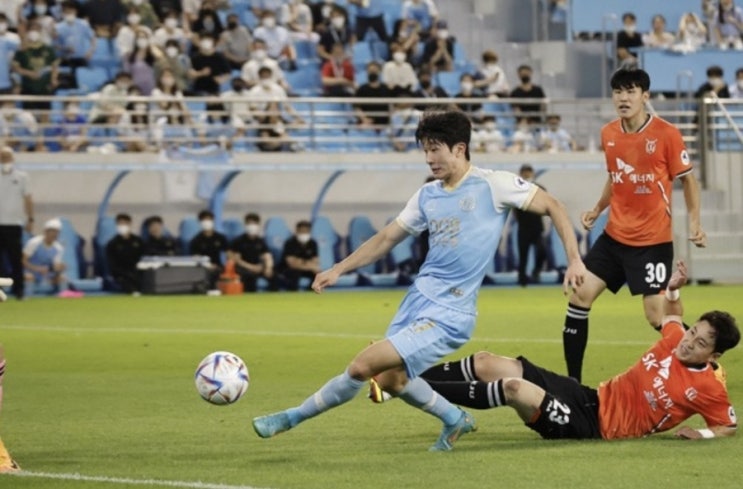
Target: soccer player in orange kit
6, 463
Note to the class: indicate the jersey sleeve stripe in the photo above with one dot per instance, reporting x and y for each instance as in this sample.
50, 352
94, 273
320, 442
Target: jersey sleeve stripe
530, 197
678, 175
407, 228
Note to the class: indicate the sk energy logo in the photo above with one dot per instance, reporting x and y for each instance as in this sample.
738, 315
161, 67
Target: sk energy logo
624, 169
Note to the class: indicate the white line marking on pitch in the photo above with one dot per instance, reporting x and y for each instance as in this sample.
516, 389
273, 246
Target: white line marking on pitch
124, 480
298, 334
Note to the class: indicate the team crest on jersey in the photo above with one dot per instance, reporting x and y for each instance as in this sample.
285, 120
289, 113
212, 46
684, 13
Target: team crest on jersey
650, 145
685, 158
691, 394
467, 203
521, 183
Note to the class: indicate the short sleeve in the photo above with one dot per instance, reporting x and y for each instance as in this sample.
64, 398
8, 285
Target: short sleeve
510, 190
26, 185
679, 163
411, 219
30, 247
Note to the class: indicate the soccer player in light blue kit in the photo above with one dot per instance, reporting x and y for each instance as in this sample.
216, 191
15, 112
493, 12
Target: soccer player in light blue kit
464, 210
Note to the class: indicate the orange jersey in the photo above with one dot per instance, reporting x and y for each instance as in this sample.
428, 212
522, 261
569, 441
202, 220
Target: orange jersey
642, 166
659, 392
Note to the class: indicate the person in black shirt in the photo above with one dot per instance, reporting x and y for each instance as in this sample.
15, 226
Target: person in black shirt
715, 84
157, 242
628, 40
209, 243
468, 90
300, 257
209, 68
530, 233
427, 89
251, 255
337, 32
438, 50
527, 89
123, 253
374, 88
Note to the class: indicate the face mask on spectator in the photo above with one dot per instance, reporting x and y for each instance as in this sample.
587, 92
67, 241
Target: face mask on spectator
123, 229
40, 9
326, 9
490, 126
443, 34
266, 82
122, 85
338, 22
3, 27
73, 109
426, 83
525, 79
238, 86
373, 77
269, 22
303, 238
34, 36
259, 54
467, 86
232, 25
207, 224
208, 25
134, 19
140, 107
252, 229
630, 28
143, 42
399, 56
70, 17
168, 81
137, 2
716, 81
206, 45
171, 51
171, 22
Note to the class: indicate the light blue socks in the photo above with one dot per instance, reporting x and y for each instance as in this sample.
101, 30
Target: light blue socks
337, 391
418, 393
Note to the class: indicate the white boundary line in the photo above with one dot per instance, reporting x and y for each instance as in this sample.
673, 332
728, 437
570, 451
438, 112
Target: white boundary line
296, 334
125, 480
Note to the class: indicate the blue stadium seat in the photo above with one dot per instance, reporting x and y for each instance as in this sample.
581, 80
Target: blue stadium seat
306, 50
74, 261
91, 79
105, 230
328, 243
380, 50
598, 228
368, 141
276, 232
106, 56
232, 228
304, 81
187, 230
362, 53
361, 229
449, 81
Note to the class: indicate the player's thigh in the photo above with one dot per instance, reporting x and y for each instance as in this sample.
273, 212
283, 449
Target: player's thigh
490, 367
374, 359
648, 268
604, 262
588, 291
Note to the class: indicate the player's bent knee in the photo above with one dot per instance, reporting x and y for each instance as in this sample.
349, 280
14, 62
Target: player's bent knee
392, 381
511, 388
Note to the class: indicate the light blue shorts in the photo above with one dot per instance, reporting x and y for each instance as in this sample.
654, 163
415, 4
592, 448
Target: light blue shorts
424, 332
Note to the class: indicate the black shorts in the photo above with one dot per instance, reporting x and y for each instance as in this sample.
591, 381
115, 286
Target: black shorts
645, 269
569, 410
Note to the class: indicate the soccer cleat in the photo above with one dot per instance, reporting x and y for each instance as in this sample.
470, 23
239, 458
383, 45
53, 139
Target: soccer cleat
451, 433
272, 424
376, 393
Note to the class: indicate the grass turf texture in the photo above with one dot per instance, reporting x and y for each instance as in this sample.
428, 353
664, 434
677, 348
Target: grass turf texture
104, 387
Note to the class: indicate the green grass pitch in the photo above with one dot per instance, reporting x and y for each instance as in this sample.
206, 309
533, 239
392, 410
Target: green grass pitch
104, 387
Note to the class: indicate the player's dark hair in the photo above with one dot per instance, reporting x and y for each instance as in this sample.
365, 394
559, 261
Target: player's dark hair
252, 217
447, 127
123, 217
727, 334
206, 214
715, 70
631, 78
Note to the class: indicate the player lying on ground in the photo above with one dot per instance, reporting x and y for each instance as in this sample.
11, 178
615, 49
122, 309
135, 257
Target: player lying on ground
675, 379
464, 211
6, 463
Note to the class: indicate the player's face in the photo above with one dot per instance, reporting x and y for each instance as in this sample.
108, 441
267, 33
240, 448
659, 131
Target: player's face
442, 161
629, 102
698, 345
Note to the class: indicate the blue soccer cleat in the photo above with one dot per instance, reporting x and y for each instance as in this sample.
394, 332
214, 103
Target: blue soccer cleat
451, 433
272, 424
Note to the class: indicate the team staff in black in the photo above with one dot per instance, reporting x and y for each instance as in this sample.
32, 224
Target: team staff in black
123, 253
251, 255
157, 243
300, 257
530, 233
16, 210
209, 243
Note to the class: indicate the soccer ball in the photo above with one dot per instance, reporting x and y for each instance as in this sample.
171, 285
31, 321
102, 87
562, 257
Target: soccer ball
222, 378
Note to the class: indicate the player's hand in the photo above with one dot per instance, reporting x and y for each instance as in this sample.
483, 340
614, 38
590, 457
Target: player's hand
574, 276
697, 236
588, 219
325, 279
679, 277
688, 433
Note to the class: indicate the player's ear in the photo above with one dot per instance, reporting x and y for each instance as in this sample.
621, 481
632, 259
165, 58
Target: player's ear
645, 96
714, 357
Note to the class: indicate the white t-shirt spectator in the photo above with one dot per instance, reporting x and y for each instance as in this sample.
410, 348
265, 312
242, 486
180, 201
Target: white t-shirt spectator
399, 75
12, 10
500, 84
277, 38
554, 141
489, 140
258, 95
249, 71
240, 113
423, 11
125, 39
163, 35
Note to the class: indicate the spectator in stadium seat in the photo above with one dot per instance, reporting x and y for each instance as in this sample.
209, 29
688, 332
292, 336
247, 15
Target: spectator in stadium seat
628, 41
9, 44
467, 90
170, 110
338, 74
112, 95
207, 22
123, 253
252, 258
715, 84
38, 66
490, 79
438, 52
141, 62
127, 33
278, 41
422, 13
658, 37
488, 139
522, 139
241, 117
189, 9
692, 33
133, 123
19, 128
269, 103
209, 243
234, 43
736, 89
104, 16
297, 18
405, 33
209, 68
527, 89
178, 63
42, 257
376, 115
370, 15
259, 59
321, 15
728, 25
403, 123
170, 30
73, 128
74, 39
554, 138
40, 11
337, 32
261, 7
300, 256
157, 243
146, 13
427, 88
398, 74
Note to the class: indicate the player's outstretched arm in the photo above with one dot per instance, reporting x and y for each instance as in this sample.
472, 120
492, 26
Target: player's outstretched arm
672, 305
588, 218
691, 196
544, 203
372, 250
688, 433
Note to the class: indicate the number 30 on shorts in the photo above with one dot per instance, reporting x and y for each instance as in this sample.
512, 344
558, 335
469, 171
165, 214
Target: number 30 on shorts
655, 273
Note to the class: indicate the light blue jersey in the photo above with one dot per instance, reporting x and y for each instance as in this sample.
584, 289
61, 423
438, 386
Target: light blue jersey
465, 226
39, 253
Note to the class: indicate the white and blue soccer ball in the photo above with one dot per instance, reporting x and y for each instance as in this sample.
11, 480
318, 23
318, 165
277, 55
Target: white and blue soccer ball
222, 378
